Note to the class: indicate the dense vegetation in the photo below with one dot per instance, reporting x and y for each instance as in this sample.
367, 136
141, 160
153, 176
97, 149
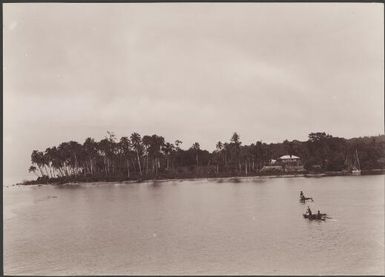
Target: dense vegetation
149, 157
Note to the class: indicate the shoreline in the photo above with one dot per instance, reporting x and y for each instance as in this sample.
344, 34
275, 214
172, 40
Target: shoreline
306, 175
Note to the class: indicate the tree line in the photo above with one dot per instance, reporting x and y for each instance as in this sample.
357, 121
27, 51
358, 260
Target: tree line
137, 157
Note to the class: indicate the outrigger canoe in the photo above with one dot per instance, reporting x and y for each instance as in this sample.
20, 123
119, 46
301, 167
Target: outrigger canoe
315, 216
304, 199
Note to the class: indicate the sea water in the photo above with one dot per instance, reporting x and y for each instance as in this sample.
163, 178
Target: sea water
217, 226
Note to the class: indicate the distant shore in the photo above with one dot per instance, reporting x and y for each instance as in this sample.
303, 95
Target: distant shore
143, 180
139, 158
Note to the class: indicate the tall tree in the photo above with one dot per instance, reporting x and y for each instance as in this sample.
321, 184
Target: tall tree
168, 150
125, 148
33, 169
91, 154
146, 141
196, 148
38, 160
219, 147
155, 150
235, 149
136, 141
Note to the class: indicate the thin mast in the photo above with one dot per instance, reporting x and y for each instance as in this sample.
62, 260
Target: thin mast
358, 160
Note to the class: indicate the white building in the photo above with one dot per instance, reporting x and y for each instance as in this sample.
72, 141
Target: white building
289, 160
291, 163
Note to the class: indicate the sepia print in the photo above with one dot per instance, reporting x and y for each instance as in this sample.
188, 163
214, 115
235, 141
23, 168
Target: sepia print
193, 139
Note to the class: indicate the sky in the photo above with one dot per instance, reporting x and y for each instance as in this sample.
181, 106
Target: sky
196, 72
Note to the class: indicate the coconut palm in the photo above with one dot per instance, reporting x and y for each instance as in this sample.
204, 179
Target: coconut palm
90, 148
33, 169
136, 141
196, 148
168, 150
218, 154
38, 160
146, 141
125, 148
177, 143
156, 143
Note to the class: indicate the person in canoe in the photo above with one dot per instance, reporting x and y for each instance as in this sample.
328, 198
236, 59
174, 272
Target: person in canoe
318, 216
308, 211
303, 198
321, 216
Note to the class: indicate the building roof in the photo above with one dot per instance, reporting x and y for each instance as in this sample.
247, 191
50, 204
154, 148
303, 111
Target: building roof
287, 157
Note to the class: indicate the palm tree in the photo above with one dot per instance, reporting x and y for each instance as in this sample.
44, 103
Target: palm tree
177, 143
235, 139
112, 150
156, 144
245, 155
226, 148
235, 147
168, 149
259, 154
104, 149
47, 156
125, 147
196, 148
53, 159
146, 141
37, 159
91, 152
66, 156
33, 169
219, 148
137, 144
177, 151
75, 149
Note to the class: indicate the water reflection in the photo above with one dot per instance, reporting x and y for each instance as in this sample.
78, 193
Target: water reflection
259, 180
242, 229
68, 186
155, 183
235, 180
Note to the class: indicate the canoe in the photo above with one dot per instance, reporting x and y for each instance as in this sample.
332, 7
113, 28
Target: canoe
305, 199
315, 216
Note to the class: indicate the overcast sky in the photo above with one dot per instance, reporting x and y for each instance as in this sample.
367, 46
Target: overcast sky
189, 71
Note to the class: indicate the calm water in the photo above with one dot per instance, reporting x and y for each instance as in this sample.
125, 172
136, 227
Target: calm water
246, 226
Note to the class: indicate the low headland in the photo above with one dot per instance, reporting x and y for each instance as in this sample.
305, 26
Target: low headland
137, 159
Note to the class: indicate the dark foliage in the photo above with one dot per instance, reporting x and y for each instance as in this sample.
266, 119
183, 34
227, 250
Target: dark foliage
150, 157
